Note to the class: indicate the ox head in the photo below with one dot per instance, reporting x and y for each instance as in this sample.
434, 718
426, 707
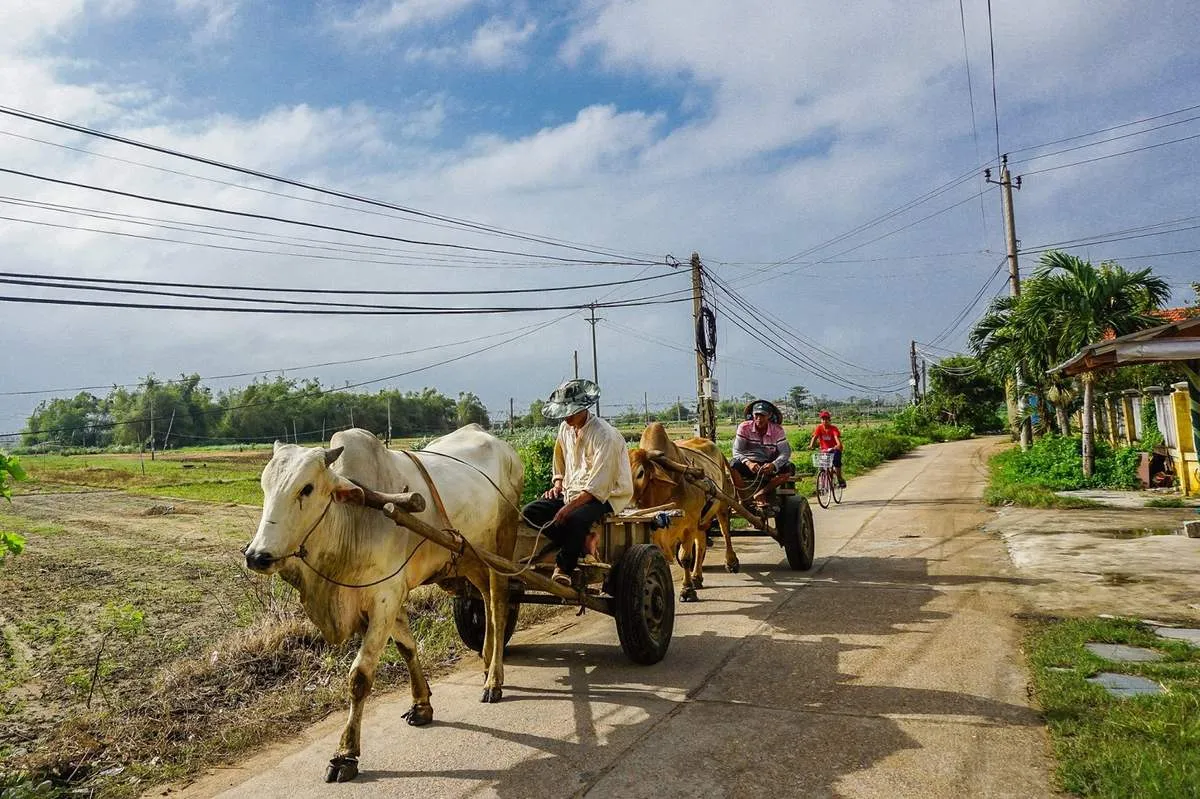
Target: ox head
652, 484
298, 487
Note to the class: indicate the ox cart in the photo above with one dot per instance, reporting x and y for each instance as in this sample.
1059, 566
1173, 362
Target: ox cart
783, 515
628, 580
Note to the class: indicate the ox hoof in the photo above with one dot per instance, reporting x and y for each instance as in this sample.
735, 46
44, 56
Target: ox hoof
492, 695
698, 580
688, 595
732, 568
419, 715
342, 769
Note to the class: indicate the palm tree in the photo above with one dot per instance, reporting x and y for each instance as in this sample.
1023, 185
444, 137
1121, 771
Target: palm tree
1070, 304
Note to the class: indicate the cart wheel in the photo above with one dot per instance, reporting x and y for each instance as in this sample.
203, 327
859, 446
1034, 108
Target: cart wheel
643, 603
468, 618
796, 533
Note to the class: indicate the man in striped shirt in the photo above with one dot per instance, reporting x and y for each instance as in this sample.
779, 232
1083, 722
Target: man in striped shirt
761, 452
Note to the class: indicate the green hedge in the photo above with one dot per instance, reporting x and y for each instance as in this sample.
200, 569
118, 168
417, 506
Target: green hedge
1056, 463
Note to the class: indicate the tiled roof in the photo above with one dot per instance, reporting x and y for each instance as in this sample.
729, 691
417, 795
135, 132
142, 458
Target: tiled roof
1169, 316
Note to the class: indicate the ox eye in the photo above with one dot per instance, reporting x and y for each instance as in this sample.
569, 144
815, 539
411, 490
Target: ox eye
308, 489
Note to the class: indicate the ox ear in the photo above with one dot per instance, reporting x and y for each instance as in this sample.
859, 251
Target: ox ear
346, 491
332, 455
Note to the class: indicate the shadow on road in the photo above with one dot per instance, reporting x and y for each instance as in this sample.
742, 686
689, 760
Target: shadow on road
779, 711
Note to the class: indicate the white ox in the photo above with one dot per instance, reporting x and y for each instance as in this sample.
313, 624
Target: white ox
313, 534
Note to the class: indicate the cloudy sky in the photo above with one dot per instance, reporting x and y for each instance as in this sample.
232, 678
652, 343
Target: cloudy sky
825, 159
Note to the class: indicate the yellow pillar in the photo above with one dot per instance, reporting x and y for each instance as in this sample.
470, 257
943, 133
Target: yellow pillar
1185, 463
1130, 417
1111, 404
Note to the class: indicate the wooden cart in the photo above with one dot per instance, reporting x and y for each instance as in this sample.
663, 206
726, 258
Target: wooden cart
631, 582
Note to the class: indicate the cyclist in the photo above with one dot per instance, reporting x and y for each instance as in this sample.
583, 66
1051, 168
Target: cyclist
761, 453
830, 439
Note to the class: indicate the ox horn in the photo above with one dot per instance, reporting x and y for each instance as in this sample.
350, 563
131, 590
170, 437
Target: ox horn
332, 455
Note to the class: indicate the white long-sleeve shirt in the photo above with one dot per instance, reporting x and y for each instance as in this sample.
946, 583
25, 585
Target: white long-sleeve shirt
594, 459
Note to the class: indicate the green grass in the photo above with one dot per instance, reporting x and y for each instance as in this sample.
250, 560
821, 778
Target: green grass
1166, 502
1147, 746
207, 476
1031, 496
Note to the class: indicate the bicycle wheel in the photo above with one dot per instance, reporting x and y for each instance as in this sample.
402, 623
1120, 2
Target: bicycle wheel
824, 488
836, 489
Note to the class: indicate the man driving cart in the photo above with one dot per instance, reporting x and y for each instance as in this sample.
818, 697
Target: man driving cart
761, 452
591, 475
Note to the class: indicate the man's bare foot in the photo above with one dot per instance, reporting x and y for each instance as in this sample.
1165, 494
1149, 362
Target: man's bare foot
591, 545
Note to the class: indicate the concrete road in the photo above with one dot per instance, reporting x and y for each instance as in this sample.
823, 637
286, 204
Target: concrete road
891, 669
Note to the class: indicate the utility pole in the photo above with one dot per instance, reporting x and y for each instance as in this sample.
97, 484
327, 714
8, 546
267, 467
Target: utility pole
924, 376
389, 435
646, 405
1014, 279
512, 423
595, 369
705, 410
914, 380
151, 393
576, 364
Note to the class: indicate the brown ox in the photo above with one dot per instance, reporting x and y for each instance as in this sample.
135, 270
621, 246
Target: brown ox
654, 485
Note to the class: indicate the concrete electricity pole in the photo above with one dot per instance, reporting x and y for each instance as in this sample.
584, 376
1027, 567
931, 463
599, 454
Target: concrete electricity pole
914, 381
1014, 279
595, 369
705, 407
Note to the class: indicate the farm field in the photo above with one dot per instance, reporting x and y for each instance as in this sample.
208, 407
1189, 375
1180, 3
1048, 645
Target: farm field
135, 647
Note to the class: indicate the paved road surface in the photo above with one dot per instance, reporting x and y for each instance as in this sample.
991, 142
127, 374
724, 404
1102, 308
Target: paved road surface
891, 669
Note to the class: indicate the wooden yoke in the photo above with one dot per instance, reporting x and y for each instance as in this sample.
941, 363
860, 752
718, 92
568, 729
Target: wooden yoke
411, 502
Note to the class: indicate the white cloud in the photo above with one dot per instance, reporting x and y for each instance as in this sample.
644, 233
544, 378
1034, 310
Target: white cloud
385, 18
599, 140
218, 17
495, 44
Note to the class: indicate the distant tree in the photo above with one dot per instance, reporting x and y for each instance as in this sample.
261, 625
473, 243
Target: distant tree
470, 409
963, 392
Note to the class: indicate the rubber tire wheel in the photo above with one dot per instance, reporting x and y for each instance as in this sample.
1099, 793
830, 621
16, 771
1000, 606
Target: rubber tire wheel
824, 488
835, 489
797, 532
643, 603
469, 620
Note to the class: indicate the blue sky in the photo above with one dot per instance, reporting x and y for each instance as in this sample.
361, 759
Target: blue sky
782, 141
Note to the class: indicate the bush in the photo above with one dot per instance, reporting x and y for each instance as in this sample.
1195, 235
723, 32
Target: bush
921, 421
1056, 463
536, 448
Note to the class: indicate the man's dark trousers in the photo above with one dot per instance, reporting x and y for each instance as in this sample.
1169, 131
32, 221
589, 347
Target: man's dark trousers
570, 534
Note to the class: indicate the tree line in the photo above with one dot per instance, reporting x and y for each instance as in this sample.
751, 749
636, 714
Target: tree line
173, 413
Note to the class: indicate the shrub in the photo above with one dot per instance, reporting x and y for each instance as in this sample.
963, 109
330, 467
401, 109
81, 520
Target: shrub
921, 421
1056, 463
536, 448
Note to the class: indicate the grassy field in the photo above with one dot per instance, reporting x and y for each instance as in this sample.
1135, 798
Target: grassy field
1145, 746
134, 647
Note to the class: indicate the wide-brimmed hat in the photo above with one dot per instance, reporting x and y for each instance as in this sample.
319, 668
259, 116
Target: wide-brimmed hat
763, 406
571, 397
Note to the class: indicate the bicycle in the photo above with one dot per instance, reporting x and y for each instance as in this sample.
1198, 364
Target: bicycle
827, 482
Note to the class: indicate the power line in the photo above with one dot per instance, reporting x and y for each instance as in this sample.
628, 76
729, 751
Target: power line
23, 277
409, 311
962, 18
1112, 155
1104, 130
1108, 140
995, 105
463, 223
314, 225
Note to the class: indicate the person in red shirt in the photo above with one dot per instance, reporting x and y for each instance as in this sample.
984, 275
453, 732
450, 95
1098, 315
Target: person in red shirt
830, 439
